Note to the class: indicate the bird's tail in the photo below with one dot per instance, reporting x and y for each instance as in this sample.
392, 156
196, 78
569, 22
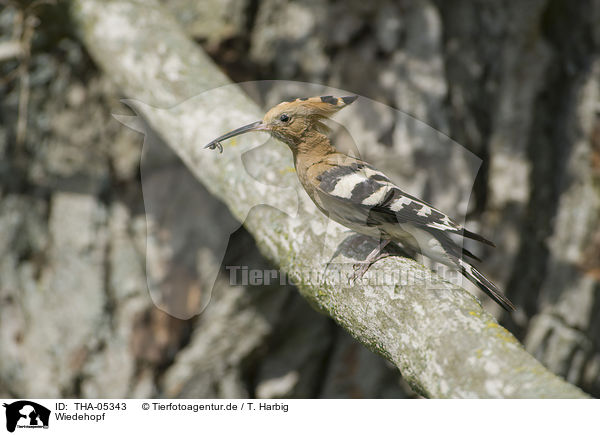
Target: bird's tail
485, 284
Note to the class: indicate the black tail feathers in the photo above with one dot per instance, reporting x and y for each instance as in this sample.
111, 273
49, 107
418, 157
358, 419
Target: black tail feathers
486, 285
475, 236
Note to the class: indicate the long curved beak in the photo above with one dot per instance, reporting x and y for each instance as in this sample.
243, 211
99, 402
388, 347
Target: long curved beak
255, 126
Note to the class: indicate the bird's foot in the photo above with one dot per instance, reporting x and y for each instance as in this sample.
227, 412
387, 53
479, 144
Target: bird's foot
359, 271
361, 267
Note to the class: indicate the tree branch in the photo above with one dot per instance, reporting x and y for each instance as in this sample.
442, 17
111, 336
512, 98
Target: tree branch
436, 333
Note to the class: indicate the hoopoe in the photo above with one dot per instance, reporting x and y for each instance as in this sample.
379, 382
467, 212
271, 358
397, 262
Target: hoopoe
358, 196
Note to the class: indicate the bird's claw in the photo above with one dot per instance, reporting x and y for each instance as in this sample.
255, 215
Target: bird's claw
361, 267
359, 270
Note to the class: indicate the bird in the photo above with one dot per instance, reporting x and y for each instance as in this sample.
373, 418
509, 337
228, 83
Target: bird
355, 194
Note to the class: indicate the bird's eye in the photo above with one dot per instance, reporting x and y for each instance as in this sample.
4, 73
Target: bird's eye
284, 118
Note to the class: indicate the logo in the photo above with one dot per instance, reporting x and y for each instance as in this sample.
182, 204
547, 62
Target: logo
26, 414
180, 278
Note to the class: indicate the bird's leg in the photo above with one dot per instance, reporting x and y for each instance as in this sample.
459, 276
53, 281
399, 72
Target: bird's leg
350, 243
375, 255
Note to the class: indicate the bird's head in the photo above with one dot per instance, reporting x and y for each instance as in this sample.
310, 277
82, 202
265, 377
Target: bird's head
290, 121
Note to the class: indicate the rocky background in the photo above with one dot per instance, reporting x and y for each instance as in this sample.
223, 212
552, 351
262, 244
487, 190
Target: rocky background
516, 83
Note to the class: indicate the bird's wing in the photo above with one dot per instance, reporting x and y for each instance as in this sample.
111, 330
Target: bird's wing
360, 192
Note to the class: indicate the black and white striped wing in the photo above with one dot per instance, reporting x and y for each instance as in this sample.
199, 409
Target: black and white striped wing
360, 192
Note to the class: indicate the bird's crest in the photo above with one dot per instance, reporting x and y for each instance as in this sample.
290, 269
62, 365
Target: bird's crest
321, 106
